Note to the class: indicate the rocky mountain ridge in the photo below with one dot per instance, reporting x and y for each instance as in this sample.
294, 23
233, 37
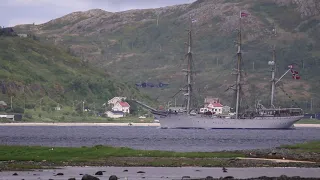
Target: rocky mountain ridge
137, 44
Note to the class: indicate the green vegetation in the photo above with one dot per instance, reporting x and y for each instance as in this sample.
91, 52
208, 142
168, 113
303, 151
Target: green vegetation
69, 115
96, 153
30, 157
39, 78
309, 121
313, 146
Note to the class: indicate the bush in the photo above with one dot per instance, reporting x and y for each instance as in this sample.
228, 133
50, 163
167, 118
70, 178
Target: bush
18, 110
2, 109
9, 110
66, 113
30, 106
27, 115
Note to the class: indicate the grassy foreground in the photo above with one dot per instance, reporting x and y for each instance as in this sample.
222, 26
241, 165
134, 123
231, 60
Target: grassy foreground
30, 157
87, 154
313, 146
308, 121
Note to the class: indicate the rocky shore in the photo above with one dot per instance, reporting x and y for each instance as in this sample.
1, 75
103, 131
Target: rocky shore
282, 153
189, 173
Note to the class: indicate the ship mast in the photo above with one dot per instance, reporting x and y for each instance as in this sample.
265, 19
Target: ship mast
238, 70
273, 69
189, 69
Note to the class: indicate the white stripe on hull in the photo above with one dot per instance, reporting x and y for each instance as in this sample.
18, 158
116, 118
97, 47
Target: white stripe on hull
186, 121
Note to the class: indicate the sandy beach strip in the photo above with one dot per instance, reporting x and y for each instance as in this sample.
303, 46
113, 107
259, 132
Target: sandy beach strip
307, 125
114, 124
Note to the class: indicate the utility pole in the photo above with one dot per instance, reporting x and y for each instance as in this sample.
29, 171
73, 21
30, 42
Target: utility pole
94, 109
11, 101
311, 104
24, 103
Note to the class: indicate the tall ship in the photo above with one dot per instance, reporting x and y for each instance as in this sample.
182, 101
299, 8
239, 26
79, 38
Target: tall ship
258, 118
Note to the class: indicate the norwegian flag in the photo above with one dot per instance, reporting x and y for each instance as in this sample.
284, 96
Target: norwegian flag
295, 74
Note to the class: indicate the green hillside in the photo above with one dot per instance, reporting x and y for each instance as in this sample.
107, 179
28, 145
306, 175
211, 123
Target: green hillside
40, 77
133, 46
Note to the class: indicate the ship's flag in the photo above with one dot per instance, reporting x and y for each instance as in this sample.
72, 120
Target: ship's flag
243, 14
295, 74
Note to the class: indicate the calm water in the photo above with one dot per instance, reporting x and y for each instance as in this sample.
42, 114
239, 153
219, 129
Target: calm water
154, 138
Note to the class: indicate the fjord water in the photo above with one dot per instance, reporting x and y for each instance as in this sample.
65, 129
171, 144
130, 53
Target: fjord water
153, 138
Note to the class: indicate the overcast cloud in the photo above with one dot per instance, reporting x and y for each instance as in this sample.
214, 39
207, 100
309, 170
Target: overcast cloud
13, 12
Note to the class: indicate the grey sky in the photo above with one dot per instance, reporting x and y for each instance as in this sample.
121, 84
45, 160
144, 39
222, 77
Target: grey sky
13, 12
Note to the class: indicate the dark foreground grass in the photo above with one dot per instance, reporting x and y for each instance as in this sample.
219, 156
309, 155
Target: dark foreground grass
96, 153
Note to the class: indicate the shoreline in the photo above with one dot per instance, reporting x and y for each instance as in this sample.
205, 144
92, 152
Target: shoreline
112, 124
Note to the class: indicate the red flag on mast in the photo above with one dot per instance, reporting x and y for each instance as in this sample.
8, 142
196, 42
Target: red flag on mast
295, 74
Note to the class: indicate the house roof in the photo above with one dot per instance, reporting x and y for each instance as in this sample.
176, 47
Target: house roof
124, 104
215, 105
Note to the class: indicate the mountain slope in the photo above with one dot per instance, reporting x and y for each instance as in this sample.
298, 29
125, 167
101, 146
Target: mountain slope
31, 70
137, 46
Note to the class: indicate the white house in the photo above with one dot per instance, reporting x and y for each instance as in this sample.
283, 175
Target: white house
215, 107
114, 114
114, 100
122, 106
